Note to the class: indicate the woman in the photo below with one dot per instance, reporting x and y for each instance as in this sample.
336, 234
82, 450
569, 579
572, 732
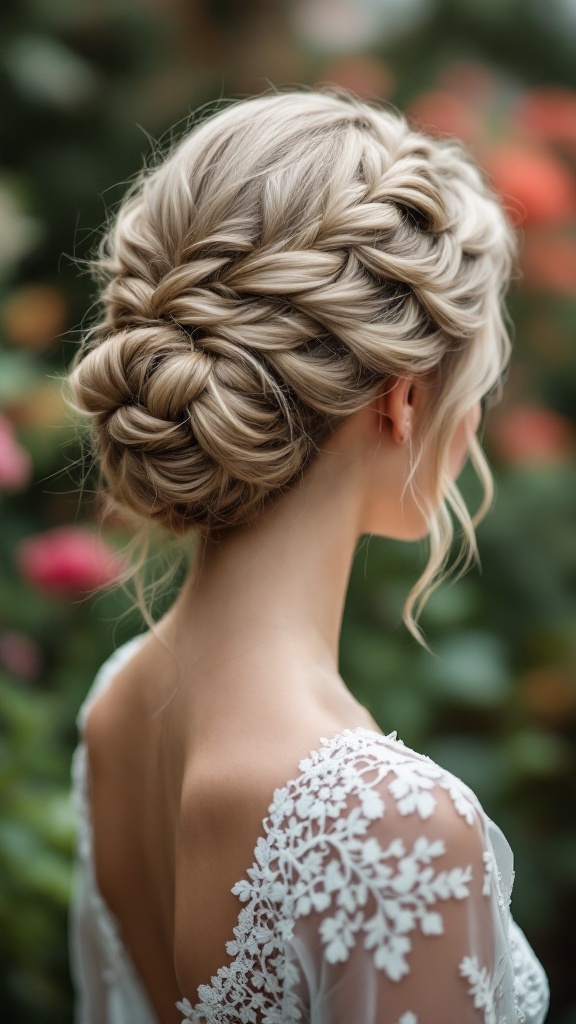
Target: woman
302, 317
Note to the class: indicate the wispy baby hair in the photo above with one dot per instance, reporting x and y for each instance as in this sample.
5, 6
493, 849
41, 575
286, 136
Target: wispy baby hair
263, 281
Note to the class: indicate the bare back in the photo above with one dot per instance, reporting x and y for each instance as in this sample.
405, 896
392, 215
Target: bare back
177, 804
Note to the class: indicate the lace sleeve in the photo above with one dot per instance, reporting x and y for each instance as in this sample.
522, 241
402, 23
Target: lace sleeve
402, 915
379, 894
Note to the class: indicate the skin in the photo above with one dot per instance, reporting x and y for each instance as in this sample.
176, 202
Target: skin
274, 591
189, 741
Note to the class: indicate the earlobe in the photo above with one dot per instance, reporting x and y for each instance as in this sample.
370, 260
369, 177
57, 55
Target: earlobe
396, 405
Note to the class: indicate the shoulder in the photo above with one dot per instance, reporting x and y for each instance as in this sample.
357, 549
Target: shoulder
367, 800
112, 668
107, 714
369, 837
364, 775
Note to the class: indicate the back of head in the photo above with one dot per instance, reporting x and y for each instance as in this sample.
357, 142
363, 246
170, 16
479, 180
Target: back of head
264, 280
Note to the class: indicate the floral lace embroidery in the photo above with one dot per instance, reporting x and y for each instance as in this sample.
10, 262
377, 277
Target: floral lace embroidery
314, 857
530, 982
481, 987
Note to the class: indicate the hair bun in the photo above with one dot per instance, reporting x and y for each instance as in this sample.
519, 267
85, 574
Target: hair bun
188, 431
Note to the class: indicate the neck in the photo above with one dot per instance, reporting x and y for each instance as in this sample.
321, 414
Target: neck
276, 588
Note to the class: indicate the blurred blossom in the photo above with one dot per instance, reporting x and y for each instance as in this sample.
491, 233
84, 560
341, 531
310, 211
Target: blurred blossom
19, 655
550, 694
15, 462
536, 187
549, 113
549, 262
42, 406
550, 338
363, 75
531, 433
470, 80
446, 113
348, 25
68, 560
34, 315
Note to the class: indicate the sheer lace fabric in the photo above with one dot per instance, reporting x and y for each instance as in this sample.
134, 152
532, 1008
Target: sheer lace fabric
379, 894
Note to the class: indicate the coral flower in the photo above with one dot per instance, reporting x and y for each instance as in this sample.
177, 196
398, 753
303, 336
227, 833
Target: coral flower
67, 560
538, 188
531, 433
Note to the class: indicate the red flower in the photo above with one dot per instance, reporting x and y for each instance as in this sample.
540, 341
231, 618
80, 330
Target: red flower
530, 433
15, 463
537, 188
67, 560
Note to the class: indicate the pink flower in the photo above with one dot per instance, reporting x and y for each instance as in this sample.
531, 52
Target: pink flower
15, 462
530, 433
68, 560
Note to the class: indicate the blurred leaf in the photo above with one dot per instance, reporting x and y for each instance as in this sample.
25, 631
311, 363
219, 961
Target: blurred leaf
19, 231
470, 667
533, 752
46, 71
18, 373
479, 761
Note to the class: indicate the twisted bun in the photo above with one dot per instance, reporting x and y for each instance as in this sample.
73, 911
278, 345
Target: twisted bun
262, 282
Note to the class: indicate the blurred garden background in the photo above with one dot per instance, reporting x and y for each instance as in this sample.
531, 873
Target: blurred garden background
88, 90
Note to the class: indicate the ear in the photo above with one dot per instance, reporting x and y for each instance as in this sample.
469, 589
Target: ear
396, 405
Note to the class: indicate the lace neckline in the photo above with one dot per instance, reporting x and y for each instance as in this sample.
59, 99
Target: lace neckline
120, 963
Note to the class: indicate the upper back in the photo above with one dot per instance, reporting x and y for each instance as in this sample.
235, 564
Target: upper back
175, 823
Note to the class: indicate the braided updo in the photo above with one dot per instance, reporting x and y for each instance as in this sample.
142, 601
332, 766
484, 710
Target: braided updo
262, 282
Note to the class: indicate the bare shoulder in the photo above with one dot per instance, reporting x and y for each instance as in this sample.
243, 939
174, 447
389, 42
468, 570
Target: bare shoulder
115, 711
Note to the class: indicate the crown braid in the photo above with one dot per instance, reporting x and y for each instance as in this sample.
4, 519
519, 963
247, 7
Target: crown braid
263, 281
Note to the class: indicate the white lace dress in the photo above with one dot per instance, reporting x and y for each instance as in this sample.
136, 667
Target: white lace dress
379, 894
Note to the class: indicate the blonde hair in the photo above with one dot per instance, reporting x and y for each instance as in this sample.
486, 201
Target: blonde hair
263, 281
